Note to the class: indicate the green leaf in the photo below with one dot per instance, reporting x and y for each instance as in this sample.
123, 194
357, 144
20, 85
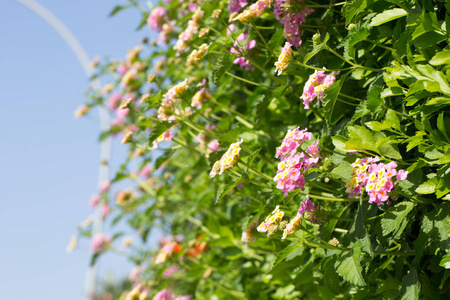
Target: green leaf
374, 98
94, 258
316, 49
410, 286
441, 58
343, 171
388, 15
251, 158
394, 217
229, 137
349, 266
220, 67
276, 40
333, 113
353, 9
158, 129
224, 189
283, 254
392, 119
363, 135
358, 231
445, 262
117, 9
143, 21
428, 187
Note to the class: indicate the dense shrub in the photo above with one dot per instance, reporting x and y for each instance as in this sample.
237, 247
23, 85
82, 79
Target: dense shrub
288, 149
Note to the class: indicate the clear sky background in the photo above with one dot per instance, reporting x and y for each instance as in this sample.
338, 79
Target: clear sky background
48, 160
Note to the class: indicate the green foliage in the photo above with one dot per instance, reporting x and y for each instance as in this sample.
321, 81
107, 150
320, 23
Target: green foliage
387, 98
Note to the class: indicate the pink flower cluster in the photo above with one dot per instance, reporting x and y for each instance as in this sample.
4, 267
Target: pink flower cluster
316, 84
292, 165
237, 5
100, 242
310, 208
192, 28
291, 17
167, 295
283, 60
241, 60
376, 178
157, 18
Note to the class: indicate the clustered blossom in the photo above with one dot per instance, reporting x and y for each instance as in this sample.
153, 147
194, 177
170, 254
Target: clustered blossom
291, 17
241, 60
292, 226
192, 28
81, 111
283, 60
316, 84
237, 5
157, 18
313, 210
271, 222
167, 295
100, 243
168, 248
292, 165
376, 178
197, 55
125, 197
254, 11
139, 292
166, 136
227, 160
169, 105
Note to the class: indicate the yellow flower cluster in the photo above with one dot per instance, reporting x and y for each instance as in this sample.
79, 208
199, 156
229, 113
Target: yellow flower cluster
197, 55
228, 159
125, 197
292, 226
254, 11
271, 222
283, 60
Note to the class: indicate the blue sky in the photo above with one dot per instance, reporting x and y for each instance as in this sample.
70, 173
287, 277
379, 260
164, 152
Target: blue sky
48, 160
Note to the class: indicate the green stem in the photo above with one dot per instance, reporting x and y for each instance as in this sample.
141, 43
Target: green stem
264, 41
243, 79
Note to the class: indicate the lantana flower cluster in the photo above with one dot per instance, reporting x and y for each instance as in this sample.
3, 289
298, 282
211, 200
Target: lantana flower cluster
197, 55
271, 222
378, 179
192, 28
293, 165
291, 17
171, 101
254, 11
236, 49
227, 160
125, 197
100, 243
236, 5
283, 60
168, 248
316, 84
139, 292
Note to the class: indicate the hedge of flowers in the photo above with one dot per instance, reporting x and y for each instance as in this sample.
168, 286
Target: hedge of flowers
287, 149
